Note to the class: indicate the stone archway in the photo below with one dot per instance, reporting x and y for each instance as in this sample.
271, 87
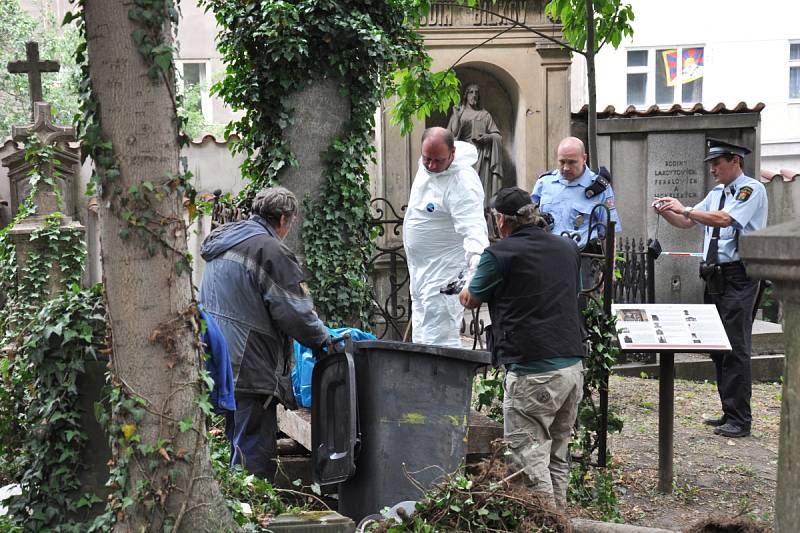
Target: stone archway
500, 97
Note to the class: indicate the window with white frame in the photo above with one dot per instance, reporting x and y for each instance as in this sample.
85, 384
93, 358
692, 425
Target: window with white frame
794, 71
665, 76
193, 78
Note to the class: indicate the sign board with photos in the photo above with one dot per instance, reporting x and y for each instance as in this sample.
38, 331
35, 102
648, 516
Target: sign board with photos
670, 328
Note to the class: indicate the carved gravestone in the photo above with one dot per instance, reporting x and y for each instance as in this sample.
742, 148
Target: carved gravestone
48, 200
63, 170
676, 168
320, 111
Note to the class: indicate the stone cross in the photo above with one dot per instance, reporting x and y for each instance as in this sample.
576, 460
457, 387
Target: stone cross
43, 127
33, 68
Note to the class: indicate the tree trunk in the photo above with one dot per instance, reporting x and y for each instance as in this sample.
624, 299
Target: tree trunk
156, 354
590, 74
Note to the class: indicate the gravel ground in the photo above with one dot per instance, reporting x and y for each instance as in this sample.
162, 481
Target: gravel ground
713, 475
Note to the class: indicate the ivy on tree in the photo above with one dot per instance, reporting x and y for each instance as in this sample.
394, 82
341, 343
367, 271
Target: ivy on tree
273, 49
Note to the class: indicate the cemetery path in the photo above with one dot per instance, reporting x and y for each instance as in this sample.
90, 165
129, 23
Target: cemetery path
713, 475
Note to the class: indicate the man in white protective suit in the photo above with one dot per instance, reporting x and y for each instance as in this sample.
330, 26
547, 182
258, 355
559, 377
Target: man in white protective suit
444, 234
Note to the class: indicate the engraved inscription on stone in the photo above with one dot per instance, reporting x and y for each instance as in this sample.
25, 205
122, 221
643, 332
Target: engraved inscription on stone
448, 14
676, 167
675, 177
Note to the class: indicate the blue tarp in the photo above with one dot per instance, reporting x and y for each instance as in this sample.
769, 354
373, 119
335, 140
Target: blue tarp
304, 363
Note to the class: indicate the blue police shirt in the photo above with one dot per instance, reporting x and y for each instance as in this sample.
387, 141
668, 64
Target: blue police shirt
570, 208
746, 203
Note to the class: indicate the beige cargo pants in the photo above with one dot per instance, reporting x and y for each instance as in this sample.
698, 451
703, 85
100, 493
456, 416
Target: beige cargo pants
539, 411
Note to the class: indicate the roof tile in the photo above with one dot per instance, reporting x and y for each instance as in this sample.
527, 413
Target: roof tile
674, 110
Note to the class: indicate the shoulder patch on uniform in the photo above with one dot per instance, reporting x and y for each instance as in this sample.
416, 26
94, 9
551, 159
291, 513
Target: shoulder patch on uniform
599, 184
548, 173
610, 202
744, 193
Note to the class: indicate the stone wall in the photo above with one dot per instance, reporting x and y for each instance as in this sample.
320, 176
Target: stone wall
663, 155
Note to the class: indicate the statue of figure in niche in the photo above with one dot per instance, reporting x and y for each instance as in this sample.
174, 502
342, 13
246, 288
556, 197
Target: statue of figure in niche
473, 124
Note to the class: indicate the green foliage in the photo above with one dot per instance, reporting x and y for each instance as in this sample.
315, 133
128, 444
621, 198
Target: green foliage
195, 123
56, 252
68, 330
593, 488
489, 393
420, 92
48, 334
484, 501
60, 89
603, 353
237, 485
274, 49
612, 21
770, 305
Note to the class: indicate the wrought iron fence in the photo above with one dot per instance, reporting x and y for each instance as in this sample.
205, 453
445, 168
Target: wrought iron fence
631, 284
224, 212
391, 309
391, 300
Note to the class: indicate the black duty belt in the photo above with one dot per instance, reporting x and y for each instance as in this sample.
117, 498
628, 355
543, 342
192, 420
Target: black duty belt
733, 266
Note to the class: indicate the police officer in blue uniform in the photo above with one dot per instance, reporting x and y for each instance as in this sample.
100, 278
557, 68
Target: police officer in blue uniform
737, 205
570, 193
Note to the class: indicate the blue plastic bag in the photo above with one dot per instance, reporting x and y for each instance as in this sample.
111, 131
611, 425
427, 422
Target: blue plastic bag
304, 363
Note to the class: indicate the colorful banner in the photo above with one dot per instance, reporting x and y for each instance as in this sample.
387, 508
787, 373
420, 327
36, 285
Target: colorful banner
670, 65
691, 65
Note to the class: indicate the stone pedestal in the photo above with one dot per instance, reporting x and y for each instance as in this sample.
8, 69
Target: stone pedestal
21, 234
774, 254
48, 200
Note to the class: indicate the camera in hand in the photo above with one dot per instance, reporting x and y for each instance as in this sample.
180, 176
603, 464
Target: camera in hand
547, 219
455, 286
712, 275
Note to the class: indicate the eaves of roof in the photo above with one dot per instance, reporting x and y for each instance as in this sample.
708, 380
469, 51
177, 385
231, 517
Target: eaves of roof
674, 110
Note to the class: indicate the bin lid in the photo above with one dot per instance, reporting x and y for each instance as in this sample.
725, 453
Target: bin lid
335, 438
480, 357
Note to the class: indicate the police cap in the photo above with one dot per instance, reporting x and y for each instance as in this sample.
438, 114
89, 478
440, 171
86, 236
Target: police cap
509, 200
717, 148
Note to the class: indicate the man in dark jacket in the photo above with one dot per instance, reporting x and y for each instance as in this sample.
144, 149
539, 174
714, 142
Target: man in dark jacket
531, 280
253, 286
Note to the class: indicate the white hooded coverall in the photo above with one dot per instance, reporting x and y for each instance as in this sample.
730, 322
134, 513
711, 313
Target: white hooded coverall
444, 232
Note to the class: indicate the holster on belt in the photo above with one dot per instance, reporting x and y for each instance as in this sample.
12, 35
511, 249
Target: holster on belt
712, 275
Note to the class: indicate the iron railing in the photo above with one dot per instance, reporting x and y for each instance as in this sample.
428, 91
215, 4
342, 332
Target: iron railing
391, 303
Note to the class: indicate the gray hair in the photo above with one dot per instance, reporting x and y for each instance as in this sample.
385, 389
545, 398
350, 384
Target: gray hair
527, 214
274, 202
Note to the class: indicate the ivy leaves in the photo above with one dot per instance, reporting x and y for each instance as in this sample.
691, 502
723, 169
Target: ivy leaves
420, 92
612, 21
274, 49
150, 38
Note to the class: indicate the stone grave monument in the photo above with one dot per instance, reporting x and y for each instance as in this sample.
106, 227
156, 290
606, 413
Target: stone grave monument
523, 85
50, 199
657, 153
